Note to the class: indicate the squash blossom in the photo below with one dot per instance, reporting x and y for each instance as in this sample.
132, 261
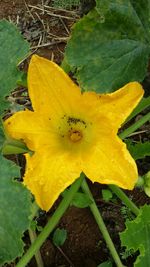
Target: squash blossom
72, 132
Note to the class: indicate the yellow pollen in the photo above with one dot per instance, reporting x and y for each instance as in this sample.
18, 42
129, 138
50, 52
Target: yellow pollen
75, 136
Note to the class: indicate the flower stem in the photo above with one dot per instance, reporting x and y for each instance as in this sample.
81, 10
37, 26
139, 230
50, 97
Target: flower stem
129, 203
52, 223
34, 210
38, 256
134, 126
101, 225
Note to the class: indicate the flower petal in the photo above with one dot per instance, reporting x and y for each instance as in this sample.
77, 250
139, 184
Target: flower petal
50, 88
116, 106
111, 163
48, 175
32, 128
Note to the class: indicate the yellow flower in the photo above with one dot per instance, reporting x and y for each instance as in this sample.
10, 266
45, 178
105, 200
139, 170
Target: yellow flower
71, 132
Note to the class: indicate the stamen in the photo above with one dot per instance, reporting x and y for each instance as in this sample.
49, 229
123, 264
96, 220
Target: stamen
75, 120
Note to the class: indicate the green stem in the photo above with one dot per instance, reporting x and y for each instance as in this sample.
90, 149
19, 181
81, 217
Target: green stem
101, 225
129, 203
34, 210
38, 257
134, 126
144, 103
52, 222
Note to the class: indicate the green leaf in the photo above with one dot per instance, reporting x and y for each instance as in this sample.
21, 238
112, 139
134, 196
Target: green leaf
13, 48
110, 46
137, 236
12, 146
142, 9
59, 237
22, 79
146, 184
139, 150
34, 226
105, 264
106, 195
127, 253
15, 205
81, 200
2, 136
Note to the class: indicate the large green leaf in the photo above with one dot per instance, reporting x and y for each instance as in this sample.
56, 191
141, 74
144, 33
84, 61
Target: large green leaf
110, 46
137, 237
2, 137
142, 8
13, 48
15, 209
122, 14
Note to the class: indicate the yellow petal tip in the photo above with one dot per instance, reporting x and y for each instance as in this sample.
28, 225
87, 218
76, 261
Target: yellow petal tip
137, 86
35, 58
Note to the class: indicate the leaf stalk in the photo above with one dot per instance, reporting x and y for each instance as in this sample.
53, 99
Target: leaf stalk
51, 223
135, 126
98, 218
125, 199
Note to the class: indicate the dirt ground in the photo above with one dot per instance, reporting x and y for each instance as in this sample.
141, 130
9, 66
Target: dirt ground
47, 29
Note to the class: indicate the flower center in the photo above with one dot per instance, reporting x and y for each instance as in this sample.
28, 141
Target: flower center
75, 136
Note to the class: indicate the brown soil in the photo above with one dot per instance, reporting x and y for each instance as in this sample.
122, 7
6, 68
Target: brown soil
84, 246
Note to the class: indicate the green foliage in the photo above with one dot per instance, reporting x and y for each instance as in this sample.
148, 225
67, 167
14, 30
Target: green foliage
35, 227
59, 237
127, 253
2, 136
106, 195
15, 205
144, 103
13, 48
105, 264
112, 44
81, 200
139, 150
12, 146
146, 179
65, 3
137, 236
126, 213
23, 80
15, 202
